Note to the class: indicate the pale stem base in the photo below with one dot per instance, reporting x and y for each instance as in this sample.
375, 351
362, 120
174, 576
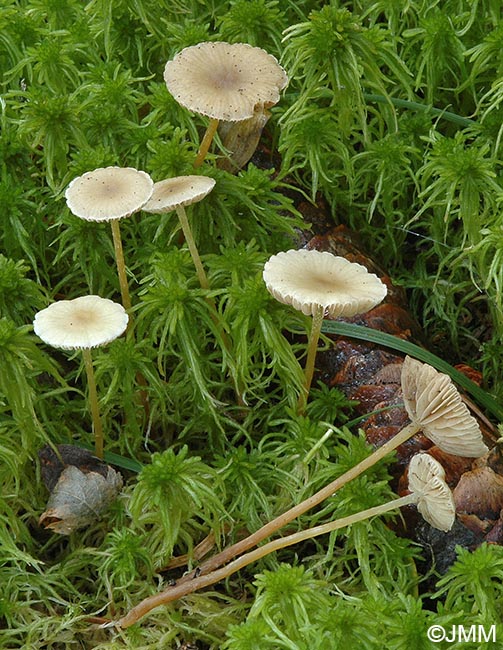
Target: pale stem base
200, 581
93, 403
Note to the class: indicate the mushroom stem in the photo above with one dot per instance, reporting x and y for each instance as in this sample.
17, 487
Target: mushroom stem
187, 232
121, 266
93, 402
271, 527
207, 571
206, 141
184, 587
203, 281
312, 347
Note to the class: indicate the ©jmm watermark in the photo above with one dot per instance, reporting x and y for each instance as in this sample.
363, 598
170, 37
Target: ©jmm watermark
462, 633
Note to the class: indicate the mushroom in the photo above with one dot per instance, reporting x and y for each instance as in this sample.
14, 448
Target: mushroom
428, 490
109, 194
83, 323
225, 82
434, 406
175, 194
320, 284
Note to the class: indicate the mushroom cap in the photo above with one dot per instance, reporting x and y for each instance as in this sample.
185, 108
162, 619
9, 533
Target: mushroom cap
181, 190
85, 322
108, 193
308, 279
224, 81
433, 402
435, 499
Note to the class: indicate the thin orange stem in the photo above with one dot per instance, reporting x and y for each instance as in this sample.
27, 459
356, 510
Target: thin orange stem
198, 581
206, 142
207, 573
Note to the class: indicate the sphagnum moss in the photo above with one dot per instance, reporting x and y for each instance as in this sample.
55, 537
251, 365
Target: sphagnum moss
68, 109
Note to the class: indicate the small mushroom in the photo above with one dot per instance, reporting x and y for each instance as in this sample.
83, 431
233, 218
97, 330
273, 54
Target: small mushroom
225, 82
175, 194
435, 500
331, 488
428, 490
321, 284
435, 407
83, 323
109, 194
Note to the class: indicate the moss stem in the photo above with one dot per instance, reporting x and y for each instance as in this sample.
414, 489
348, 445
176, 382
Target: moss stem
206, 142
93, 402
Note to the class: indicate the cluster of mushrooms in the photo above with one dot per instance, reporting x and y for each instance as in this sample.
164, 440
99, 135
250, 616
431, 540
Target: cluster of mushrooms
234, 85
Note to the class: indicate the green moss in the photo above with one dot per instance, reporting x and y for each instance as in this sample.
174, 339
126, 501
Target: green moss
393, 114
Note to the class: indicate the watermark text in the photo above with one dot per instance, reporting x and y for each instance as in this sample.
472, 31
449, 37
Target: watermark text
462, 633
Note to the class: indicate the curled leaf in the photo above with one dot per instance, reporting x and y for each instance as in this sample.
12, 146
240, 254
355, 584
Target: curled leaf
80, 495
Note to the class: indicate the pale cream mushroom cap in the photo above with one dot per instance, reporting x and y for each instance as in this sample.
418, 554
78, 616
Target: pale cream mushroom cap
224, 81
308, 279
181, 190
85, 322
433, 402
108, 193
435, 499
